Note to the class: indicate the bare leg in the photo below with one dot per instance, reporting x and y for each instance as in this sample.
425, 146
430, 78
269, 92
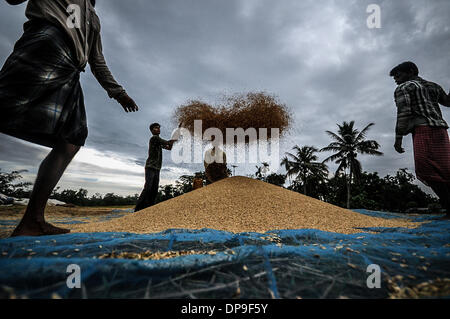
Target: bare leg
442, 190
50, 172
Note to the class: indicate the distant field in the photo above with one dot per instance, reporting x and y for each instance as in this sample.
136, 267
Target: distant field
11, 215
20, 209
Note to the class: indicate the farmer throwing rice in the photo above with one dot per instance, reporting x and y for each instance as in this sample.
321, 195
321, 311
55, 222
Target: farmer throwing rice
418, 113
215, 163
153, 167
41, 99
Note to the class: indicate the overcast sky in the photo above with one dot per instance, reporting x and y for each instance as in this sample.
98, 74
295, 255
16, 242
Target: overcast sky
318, 57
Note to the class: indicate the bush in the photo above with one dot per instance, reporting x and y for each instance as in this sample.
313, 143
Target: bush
9, 186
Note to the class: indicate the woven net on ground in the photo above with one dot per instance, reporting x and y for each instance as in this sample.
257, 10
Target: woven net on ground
207, 263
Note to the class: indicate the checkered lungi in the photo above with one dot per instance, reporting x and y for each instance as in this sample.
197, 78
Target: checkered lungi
432, 154
41, 99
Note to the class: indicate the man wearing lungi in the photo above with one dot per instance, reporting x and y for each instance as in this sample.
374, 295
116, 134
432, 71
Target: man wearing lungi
41, 99
418, 112
153, 167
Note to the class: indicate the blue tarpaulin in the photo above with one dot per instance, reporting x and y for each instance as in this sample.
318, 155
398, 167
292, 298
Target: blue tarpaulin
304, 263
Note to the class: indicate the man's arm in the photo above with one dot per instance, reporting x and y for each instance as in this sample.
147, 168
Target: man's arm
106, 79
404, 113
444, 99
169, 144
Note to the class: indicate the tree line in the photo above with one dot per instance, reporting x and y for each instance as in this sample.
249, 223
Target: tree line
349, 186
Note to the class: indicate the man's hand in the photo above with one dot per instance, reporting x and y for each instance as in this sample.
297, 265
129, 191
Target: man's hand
15, 2
398, 145
176, 134
127, 103
169, 145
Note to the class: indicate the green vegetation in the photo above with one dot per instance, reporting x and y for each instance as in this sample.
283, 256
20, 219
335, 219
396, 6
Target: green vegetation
10, 187
350, 186
347, 143
304, 166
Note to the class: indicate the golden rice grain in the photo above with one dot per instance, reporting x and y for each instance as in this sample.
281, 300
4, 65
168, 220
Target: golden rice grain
241, 204
251, 110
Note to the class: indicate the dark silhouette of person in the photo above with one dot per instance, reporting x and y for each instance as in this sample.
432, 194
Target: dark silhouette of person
41, 99
418, 113
215, 163
153, 168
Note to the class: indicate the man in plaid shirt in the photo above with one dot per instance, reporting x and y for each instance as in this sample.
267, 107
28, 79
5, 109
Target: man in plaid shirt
41, 98
418, 113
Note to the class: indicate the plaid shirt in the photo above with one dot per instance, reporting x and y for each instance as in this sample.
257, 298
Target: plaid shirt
86, 39
417, 103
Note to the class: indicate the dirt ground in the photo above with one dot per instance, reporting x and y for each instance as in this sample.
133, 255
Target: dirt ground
11, 215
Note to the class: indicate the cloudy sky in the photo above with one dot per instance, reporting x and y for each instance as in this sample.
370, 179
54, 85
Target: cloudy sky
318, 57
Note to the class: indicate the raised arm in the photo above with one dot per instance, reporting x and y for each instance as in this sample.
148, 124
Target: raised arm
106, 79
444, 99
15, 2
169, 145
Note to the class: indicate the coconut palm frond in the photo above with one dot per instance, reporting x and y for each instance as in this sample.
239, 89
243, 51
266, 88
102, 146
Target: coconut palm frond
362, 135
334, 157
302, 163
335, 137
346, 144
369, 147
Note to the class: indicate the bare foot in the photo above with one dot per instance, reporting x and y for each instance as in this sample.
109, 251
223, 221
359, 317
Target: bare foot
38, 229
49, 228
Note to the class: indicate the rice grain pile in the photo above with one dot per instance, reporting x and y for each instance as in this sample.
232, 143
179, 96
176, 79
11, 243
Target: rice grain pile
241, 204
251, 110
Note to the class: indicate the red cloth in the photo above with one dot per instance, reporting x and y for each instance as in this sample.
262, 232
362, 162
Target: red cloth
432, 154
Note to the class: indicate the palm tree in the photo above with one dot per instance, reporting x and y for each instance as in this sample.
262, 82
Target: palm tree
303, 164
262, 170
348, 142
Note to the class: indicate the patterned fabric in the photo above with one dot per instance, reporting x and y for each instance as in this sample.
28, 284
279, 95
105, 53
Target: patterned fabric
418, 103
85, 39
432, 154
41, 99
57, 12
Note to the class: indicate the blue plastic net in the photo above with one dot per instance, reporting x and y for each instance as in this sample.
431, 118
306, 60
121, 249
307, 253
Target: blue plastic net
304, 263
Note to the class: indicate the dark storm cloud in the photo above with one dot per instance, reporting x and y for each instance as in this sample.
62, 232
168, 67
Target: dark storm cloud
319, 58
19, 154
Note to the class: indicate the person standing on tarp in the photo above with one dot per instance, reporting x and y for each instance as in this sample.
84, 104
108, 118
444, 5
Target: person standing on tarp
153, 168
418, 112
41, 99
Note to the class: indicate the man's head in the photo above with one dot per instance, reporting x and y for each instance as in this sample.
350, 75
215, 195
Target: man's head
404, 72
155, 128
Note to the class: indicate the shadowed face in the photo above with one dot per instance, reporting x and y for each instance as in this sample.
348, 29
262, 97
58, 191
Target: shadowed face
156, 130
402, 77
